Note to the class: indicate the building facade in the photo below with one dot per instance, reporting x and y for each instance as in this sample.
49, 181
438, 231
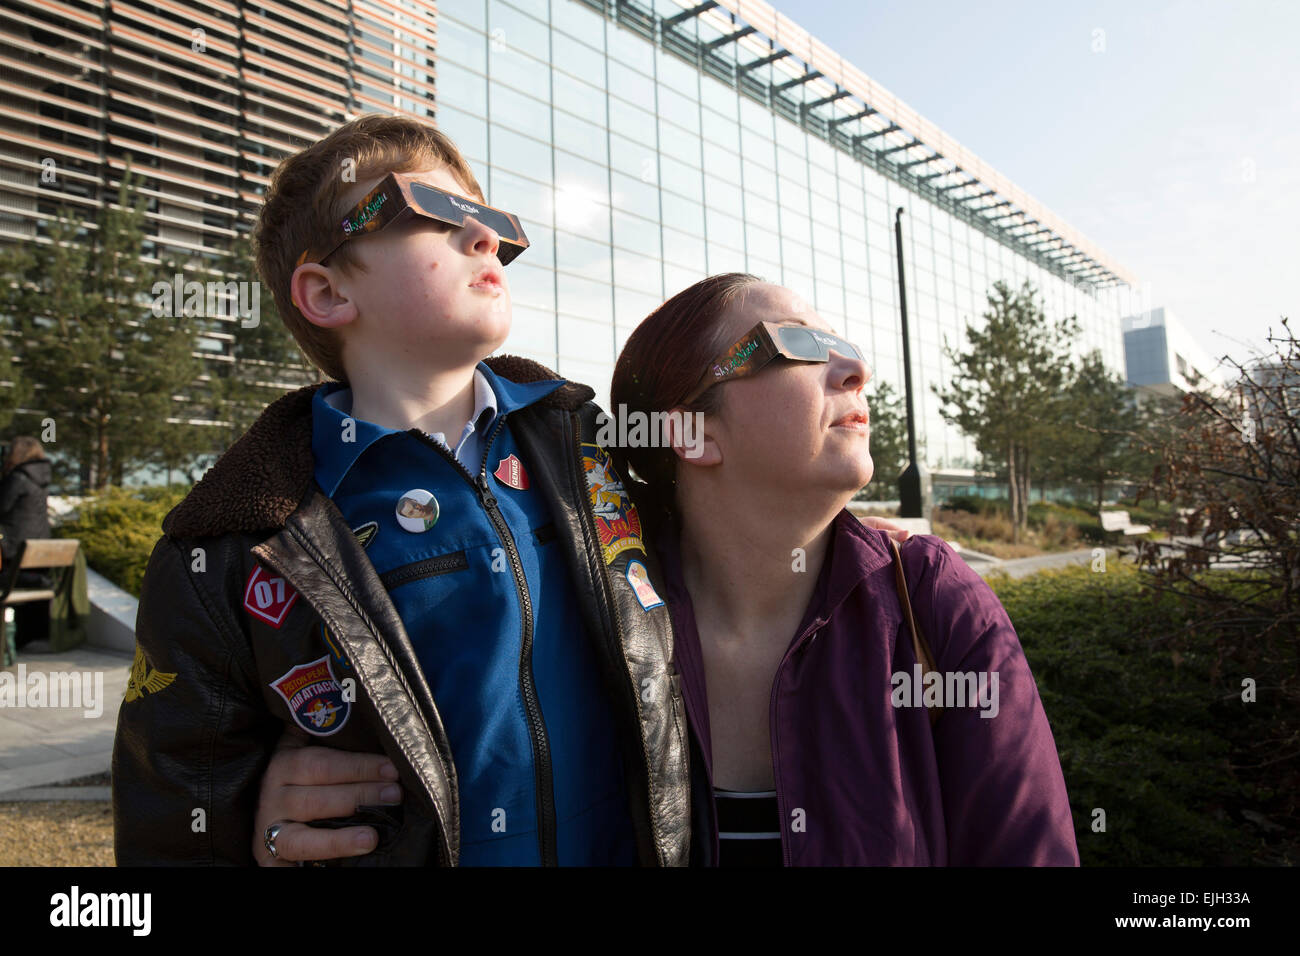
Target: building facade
643, 144
1162, 357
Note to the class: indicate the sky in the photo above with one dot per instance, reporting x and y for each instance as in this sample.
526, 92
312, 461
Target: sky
1166, 133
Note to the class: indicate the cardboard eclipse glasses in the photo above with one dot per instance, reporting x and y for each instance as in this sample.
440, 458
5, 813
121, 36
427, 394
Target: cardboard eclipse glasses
766, 342
402, 194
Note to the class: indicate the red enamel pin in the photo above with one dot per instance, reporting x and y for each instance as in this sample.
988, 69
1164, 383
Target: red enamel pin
510, 471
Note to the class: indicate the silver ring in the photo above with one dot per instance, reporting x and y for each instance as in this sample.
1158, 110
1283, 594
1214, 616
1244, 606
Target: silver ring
268, 840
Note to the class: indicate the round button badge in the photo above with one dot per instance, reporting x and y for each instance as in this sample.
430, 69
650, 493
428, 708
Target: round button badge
417, 510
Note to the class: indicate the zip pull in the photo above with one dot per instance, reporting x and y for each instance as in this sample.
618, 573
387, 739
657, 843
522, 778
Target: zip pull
485, 492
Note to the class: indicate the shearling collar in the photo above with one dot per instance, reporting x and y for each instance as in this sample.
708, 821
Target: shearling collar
264, 476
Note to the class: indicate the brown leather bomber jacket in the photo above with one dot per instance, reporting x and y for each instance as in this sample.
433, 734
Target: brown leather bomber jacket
200, 722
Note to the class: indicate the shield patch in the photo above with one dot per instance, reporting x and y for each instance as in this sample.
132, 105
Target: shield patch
314, 697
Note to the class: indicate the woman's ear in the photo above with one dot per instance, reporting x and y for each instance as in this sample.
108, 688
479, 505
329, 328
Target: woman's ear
686, 434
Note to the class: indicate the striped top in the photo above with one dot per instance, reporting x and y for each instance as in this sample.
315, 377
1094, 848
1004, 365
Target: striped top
749, 828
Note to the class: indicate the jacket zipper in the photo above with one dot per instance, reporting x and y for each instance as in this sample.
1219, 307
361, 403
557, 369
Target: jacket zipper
812, 630
609, 619
542, 773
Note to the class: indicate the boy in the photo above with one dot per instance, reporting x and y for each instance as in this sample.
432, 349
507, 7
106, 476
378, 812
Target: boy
407, 559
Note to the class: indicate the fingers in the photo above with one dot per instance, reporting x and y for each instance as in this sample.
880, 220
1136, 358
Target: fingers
340, 800
306, 766
298, 842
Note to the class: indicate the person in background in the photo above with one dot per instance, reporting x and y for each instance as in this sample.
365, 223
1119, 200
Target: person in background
24, 514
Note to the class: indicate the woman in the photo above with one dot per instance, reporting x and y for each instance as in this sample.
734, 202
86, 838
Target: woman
24, 514
802, 688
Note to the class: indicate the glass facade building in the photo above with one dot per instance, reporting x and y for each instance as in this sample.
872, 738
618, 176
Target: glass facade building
643, 144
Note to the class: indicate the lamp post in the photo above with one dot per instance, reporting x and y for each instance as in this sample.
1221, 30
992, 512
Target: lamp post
909, 482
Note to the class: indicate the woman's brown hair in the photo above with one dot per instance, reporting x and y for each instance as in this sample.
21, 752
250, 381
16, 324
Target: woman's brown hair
661, 363
24, 448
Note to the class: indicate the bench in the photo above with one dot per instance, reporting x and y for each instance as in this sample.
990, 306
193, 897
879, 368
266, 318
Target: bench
1119, 521
37, 555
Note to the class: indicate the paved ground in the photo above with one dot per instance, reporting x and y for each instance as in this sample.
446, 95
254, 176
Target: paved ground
1021, 567
48, 744
42, 824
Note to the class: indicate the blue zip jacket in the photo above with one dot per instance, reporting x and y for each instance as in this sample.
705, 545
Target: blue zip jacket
495, 623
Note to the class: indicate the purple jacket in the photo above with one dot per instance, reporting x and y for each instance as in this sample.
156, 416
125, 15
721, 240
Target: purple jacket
860, 781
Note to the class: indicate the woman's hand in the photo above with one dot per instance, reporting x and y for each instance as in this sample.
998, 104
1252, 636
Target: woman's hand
315, 783
883, 524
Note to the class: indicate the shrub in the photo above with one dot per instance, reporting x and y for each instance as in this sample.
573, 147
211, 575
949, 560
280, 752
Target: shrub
1151, 734
118, 529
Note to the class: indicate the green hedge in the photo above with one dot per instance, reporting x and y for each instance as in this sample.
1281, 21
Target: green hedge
1144, 734
118, 529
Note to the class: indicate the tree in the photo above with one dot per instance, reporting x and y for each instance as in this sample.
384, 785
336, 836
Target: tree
1097, 419
1005, 391
106, 364
265, 360
14, 388
1233, 465
888, 438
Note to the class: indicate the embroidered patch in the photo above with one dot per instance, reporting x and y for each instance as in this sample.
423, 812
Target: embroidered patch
315, 697
144, 679
268, 596
617, 521
639, 578
510, 471
366, 533
335, 649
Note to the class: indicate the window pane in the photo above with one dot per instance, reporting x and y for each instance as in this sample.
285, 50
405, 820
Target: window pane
724, 229
519, 153
636, 234
583, 297
635, 196
684, 249
631, 122
468, 132
519, 113
633, 159
527, 199
461, 45
531, 329
530, 285
473, 12
518, 32
589, 180
578, 136
718, 97
683, 214
459, 88
579, 21
681, 110
681, 145
682, 179
577, 58
631, 308
638, 273
723, 195
580, 99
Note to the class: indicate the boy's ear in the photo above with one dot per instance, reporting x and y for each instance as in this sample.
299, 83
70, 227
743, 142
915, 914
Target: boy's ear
685, 434
312, 289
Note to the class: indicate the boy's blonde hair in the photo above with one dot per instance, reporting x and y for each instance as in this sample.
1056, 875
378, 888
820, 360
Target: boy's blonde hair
304, 203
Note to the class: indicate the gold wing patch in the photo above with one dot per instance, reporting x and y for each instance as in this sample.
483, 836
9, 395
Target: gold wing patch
143, 679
